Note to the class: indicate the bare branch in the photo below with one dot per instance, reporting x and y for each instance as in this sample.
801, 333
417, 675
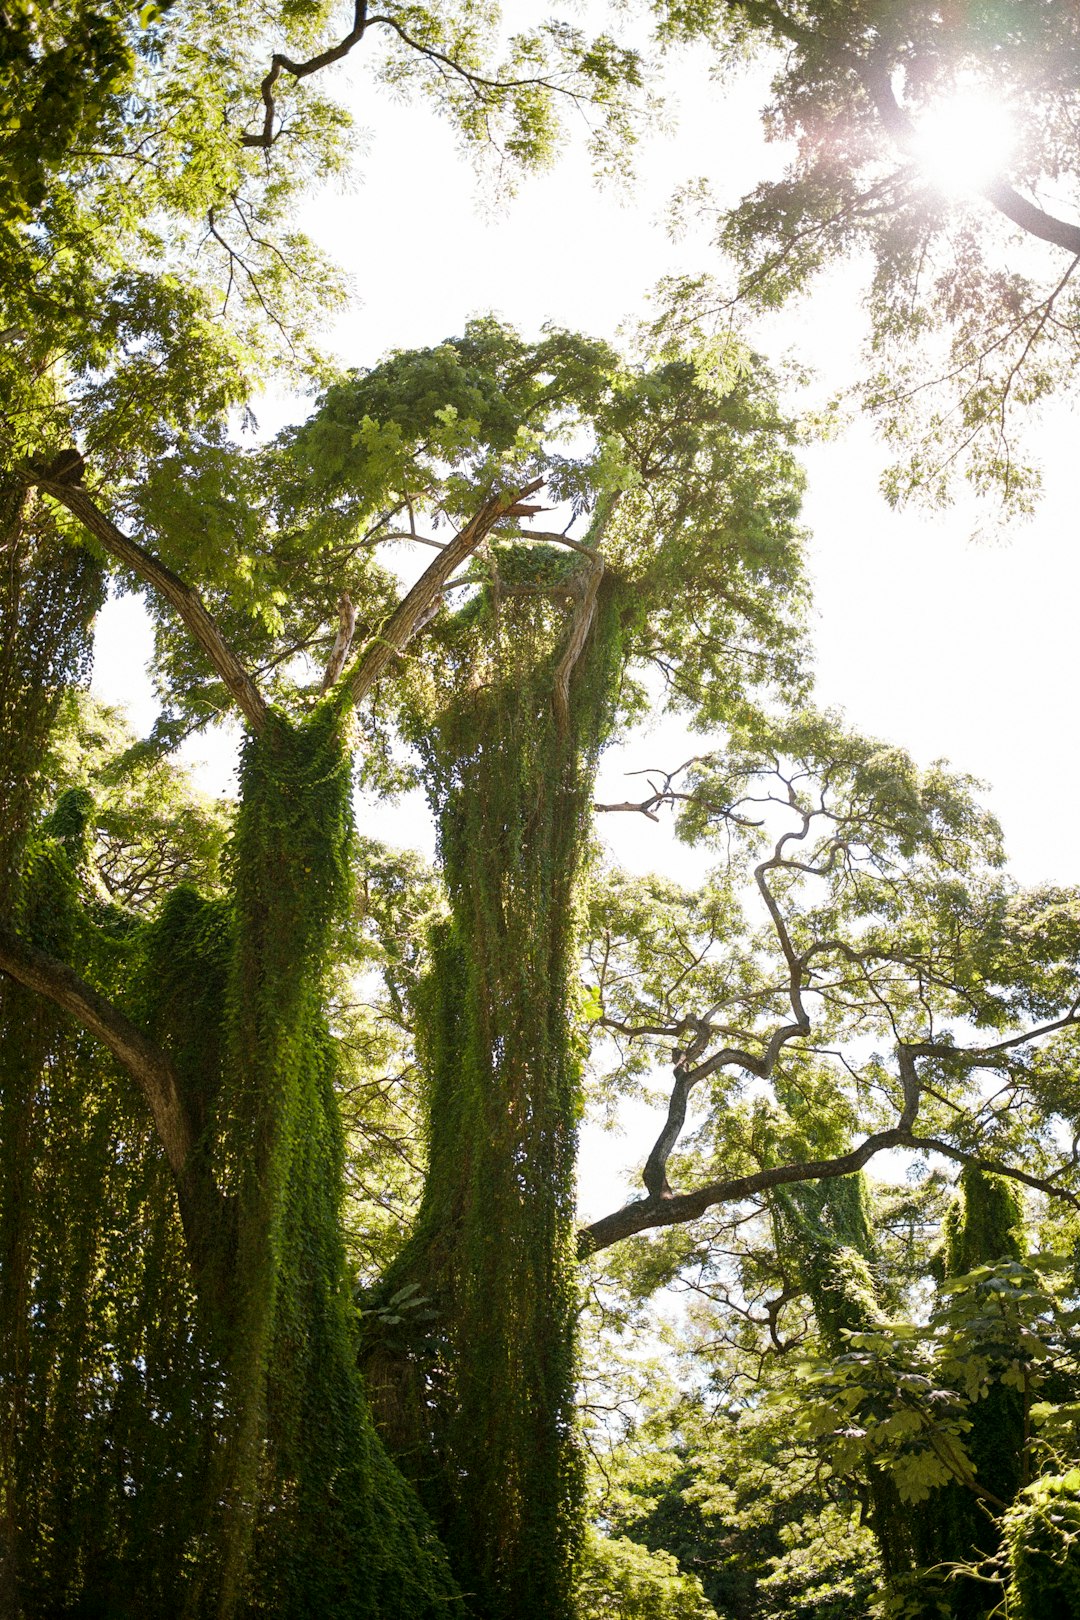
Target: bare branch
299, 70
414, 610
184, 599
342, 641
678, 1208
483, 87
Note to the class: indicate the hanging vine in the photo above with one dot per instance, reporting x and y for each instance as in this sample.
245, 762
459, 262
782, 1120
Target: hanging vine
509, 725
153, 1402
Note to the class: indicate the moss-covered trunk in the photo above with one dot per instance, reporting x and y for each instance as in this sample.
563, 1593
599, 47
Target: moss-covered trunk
304, 1483
827, 1229
984, 1226
49, 594
175, 1455
510, 740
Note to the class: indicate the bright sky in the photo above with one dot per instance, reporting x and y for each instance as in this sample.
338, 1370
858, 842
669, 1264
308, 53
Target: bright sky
945, 647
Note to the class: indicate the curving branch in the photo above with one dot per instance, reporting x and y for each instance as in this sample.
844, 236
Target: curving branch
1035, 221
654, 1174
187, 602
482, 86
661, 1207
414, 611
678, 1208
1043, 1184
280, 64
148, 1065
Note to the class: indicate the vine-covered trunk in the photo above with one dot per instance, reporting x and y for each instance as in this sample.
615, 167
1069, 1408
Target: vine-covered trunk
510, 753
170, 1453
49, 594
315, 1519
985, 1225
826, 1227
829, 1230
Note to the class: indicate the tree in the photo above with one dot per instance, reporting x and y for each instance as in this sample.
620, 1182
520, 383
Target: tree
185, 1426
879, 915
222, 1020
216, 1005
972, 307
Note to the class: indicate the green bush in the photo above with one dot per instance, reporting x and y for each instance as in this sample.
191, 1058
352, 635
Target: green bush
1041, 1530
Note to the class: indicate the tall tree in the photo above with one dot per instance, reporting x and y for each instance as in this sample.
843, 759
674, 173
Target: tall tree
148, 277
216, 1006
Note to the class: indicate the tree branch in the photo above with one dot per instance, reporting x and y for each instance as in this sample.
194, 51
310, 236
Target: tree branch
147, 1064
424, 598
678, 1208
998, 193
184, 599
300, 70
342, 641
481, 85
933, 1144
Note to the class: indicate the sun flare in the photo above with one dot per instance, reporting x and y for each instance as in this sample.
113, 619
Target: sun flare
962, 143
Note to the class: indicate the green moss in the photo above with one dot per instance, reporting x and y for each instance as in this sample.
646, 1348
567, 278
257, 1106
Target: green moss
485, 1410
1042, 1533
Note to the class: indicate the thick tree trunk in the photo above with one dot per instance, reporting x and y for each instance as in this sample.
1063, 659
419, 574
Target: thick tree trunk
481, 1413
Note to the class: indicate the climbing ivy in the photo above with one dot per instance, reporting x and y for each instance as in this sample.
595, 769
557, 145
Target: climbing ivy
509, 771
1041, 1533
204, 1388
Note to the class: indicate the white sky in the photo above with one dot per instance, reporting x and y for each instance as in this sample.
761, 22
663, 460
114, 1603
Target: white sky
942, 646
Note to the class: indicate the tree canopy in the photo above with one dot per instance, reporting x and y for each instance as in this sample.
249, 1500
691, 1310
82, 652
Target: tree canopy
970, 296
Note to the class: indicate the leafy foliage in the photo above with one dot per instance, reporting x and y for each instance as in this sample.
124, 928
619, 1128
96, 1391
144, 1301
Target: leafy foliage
1040, 1528
620, 1578
970, 296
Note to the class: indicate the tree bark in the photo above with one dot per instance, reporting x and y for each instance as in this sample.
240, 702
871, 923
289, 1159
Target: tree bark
187, 602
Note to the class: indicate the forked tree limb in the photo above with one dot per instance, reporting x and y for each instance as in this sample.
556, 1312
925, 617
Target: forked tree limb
426, 595
300, 70
480, 84
187, 601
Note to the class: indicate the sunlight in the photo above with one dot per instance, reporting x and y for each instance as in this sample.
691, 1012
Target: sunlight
962, 143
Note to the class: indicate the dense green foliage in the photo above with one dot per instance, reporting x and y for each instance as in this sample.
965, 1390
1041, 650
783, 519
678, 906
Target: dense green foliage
494, 1245
256, 1377
1040, 1527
